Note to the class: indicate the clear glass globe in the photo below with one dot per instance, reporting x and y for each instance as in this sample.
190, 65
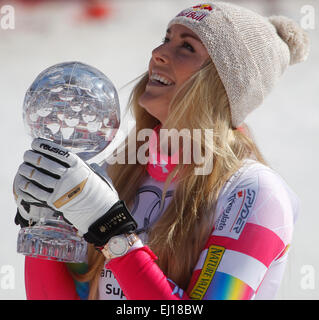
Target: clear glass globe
74, 105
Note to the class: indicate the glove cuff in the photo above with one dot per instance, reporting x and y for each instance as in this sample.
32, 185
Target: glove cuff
117, 220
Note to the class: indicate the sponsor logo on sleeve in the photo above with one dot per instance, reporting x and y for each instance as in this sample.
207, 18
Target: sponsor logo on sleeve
213, 258
233, 218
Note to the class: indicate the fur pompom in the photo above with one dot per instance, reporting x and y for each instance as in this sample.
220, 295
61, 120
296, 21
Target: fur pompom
294, 36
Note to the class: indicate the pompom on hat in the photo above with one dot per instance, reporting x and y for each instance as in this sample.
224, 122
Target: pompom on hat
294, 36
249, 51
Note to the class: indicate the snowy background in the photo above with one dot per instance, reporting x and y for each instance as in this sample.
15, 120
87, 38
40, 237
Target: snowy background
119, 43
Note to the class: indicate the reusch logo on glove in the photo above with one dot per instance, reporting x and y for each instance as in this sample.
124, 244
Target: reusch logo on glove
55, 150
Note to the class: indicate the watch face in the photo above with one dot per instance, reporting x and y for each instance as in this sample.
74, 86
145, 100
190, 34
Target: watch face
118, 245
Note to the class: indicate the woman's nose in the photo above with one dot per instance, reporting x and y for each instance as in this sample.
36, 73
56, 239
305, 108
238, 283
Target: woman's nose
160, 55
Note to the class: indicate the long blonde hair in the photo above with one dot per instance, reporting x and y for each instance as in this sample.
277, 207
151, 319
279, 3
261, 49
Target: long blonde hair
178, 237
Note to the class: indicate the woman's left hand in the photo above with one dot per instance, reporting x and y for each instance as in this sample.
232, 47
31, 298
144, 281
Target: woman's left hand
58, 177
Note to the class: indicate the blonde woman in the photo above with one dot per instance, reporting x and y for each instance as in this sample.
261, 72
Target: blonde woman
166, 229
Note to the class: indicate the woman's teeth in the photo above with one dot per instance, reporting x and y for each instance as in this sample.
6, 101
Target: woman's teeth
161, 79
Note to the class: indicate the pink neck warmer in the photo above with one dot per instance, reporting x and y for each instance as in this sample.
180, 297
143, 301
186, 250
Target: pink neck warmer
160, 165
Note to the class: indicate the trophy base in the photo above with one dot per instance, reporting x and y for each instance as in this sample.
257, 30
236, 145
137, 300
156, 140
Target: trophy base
52, 239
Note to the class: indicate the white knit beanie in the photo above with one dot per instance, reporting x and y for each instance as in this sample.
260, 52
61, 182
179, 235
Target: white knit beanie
250, 52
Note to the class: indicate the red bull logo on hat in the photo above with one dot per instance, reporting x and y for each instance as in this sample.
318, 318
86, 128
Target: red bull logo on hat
196, 13
203, 7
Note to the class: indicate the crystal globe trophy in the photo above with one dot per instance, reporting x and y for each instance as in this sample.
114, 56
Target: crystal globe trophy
77, 107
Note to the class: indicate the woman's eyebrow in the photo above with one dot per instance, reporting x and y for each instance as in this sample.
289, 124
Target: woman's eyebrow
185, 35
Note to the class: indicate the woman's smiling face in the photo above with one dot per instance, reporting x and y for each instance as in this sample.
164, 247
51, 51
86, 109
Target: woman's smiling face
172, 63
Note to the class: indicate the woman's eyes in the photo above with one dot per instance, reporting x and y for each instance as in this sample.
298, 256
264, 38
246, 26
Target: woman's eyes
188, 46
185, 44
165, 39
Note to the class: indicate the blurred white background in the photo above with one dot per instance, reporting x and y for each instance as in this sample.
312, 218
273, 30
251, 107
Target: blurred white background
117, 37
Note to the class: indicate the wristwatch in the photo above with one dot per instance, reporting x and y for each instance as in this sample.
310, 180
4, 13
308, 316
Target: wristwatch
119, 245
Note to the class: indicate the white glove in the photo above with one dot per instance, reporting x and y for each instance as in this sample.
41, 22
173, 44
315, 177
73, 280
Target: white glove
30, 210
52, 175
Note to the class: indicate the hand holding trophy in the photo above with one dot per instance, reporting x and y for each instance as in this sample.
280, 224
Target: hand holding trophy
77, 107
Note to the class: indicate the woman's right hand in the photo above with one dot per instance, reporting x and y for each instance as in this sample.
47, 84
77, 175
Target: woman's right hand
29, 210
